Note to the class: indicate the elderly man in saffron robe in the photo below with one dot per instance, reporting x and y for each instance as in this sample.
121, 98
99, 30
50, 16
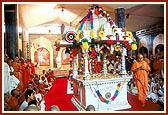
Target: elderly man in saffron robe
141, 69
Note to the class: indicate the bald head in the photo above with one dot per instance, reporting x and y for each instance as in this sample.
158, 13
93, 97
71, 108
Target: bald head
90, 108
54, 108
32, 108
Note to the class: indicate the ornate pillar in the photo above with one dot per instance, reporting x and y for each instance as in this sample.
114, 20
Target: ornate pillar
104, 65
75, 70
98, 49
86, 69
26, 44
123, 68
120, 17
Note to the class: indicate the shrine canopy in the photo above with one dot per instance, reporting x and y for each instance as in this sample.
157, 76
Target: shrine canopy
97, 25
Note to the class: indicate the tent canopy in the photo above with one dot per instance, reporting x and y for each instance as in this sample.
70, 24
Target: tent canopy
138, 16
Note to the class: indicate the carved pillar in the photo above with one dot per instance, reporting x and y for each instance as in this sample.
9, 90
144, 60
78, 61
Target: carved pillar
123, 68
75, 70
26, 45
86, 69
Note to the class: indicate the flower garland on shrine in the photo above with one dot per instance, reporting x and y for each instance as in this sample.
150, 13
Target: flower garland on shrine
98, 94
118, 89
101, 34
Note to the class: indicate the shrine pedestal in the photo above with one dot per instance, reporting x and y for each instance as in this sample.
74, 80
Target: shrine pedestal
103, 94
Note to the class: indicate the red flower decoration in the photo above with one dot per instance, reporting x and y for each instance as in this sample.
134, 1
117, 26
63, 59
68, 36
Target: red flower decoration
57, 48
74, 52
97, 11
128, 47
109, 42
119, 84
125, 42
93, 54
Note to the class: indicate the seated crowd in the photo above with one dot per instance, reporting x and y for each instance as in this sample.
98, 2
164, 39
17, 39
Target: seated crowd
24, 90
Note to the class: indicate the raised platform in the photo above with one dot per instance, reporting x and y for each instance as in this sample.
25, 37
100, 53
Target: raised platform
103, 94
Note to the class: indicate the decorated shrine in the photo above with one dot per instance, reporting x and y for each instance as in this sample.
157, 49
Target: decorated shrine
79, 58
98, 49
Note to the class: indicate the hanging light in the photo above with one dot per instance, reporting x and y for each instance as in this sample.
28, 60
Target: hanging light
62, 9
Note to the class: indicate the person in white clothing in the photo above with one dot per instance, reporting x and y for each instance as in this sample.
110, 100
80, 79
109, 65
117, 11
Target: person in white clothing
6, 74
23, 106
150, 87
29, 96
10, 81
41, 101
13, 81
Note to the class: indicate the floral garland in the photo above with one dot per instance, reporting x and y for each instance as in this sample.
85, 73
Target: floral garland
118, 89
91, 25
116, 93
81, 26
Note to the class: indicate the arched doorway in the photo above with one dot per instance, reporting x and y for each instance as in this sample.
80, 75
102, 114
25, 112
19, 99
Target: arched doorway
41, 50
42, 56
158, 40
143, 46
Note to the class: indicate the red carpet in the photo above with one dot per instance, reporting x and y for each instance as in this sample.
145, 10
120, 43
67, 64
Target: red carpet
136, 105
57, 96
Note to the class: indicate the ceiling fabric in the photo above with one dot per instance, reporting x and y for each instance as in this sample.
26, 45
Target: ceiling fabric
35, 14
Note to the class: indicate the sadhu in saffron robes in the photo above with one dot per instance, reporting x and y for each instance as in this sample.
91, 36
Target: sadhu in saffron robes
141, 78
